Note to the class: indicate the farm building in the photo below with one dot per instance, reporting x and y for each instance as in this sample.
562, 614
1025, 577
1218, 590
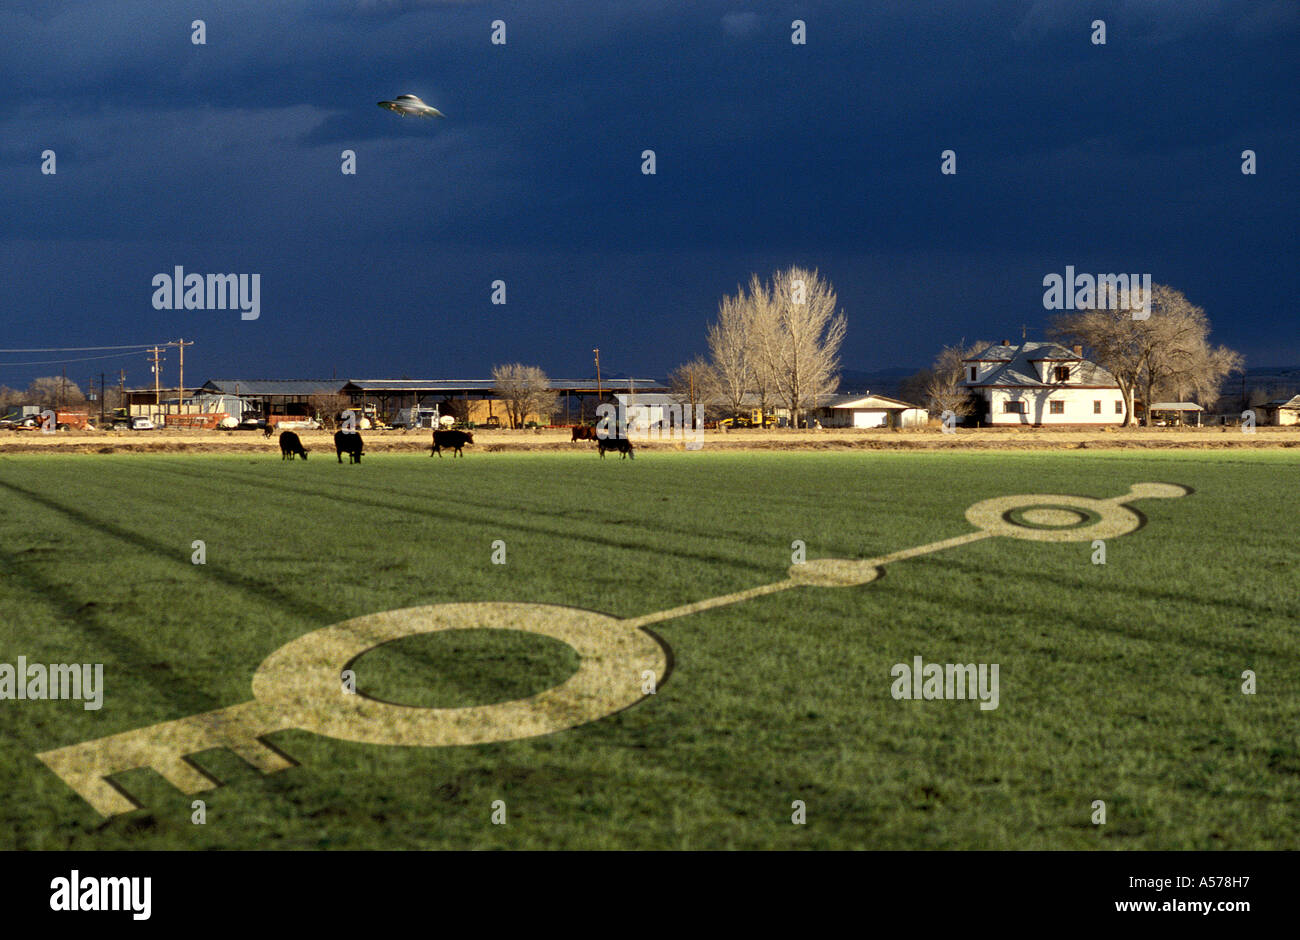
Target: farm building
476, 400
870, 411
1042, 384
287, 398
1281, 411
655, 414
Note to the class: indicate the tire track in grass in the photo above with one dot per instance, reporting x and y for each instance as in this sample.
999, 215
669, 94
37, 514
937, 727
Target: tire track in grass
294, 605
504, 519
1138, 594
169, 688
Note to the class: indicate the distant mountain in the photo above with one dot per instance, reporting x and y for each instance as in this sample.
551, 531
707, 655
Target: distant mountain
1283, 377
881, 381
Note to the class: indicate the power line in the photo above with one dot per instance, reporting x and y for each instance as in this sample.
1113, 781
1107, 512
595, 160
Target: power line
46, 362
76, 348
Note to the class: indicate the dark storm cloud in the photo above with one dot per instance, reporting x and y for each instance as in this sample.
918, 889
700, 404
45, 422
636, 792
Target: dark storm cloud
1122, 157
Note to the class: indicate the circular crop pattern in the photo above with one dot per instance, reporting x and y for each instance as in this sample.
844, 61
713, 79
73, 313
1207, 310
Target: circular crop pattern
1052, 518
302, 679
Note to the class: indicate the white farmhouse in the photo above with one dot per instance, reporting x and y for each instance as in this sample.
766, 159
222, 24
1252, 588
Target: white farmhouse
1042, 383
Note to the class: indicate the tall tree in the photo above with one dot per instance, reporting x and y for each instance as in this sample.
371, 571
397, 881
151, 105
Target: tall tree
732, 351
801, 340
525, 390
1164, 354
760, 336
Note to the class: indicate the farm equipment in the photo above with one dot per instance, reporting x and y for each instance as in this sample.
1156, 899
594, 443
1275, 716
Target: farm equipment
208, 421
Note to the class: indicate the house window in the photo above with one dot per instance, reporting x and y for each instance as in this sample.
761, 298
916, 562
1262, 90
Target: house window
1096, 407
972, 373
1013, 407
1061, 373
1119, 407
1056, 407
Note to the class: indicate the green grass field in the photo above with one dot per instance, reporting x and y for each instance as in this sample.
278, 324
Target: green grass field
1119, 682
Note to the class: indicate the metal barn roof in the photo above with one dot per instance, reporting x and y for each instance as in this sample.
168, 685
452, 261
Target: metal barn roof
264, 388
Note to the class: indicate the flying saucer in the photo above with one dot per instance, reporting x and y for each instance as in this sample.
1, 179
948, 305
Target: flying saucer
411, 106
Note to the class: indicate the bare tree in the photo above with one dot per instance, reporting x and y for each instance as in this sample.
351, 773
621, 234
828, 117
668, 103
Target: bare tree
800, 338
9, 399
733, 351
1115, 341
940, 387
1165, 353
525, 390
761, 330
328, 407
694, 383
916, 387
54, 390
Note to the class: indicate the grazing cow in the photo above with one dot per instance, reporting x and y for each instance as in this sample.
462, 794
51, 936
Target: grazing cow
453, 439
268, 429
583, 433
350, 443
620, 444
291, 445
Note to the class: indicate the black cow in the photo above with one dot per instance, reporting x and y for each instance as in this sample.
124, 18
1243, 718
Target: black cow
268, 429
350, 443
291, 445
453, 439
583, 433
620, 444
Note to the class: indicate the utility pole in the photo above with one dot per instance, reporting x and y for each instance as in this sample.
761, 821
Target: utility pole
101, 401
599, 393
181, 393
157, 372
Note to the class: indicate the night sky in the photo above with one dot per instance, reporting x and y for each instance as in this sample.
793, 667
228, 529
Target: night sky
226, 158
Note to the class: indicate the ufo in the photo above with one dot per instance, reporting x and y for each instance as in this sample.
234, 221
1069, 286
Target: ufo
411, 106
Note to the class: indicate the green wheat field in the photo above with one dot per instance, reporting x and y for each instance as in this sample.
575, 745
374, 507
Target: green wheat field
1119, 682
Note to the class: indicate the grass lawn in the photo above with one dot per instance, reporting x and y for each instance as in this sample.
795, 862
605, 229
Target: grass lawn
1118, 682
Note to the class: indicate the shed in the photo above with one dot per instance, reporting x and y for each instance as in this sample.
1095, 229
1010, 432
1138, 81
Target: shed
871, 411
1173, 413
1283, 411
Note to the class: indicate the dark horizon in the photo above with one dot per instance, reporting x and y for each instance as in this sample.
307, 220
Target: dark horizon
225, 158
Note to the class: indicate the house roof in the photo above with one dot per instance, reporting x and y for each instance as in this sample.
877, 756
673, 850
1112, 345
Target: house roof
258, 388
868, 402
1175, 406
612, 384
1292, 403
653, 399
1017, 367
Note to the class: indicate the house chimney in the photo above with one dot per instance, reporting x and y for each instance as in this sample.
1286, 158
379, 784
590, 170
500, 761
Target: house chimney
1006, 342
1078, 350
